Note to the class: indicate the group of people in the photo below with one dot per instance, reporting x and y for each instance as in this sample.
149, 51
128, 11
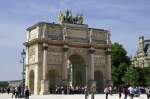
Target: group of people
69, 90
19, 92
126, 90
5, 90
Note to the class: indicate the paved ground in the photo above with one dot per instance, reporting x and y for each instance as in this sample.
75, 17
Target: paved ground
97, 96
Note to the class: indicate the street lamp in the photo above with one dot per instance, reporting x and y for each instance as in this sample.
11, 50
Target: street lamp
23, 55
143, 63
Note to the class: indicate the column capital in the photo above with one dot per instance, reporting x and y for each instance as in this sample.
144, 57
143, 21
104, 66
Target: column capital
91, 50
108, 51
45, 46
65, 48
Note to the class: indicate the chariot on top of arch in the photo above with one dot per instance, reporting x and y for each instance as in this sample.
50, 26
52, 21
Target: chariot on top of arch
67, 17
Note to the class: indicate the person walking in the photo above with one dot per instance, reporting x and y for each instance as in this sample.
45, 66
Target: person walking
93, 92
86, 93
131, 91
13, 92
106, 91
125, 91
120, 91
148, 92
27, 93
110, 90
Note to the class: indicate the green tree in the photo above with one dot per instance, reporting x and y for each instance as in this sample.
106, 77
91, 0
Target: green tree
120, 63
119, 55
131, 77
4, 83
146, 76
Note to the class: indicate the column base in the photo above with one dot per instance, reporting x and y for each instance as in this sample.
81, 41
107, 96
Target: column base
92, 86
65, 83
44, 87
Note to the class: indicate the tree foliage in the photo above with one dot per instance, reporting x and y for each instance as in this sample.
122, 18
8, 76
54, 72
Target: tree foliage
131, 77
119, 55
137, 76
4, 84
123, 72
120, 63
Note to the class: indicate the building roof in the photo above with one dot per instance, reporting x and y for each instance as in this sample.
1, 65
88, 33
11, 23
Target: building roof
147, 47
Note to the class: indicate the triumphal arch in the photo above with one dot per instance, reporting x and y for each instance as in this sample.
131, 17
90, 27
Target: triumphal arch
66, 54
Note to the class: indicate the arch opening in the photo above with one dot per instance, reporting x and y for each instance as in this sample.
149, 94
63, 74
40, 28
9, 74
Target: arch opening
31, 81
76, 70
52, 77
98, 76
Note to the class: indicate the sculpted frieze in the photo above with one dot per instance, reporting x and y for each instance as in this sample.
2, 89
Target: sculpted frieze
54, 49
31, 54
99, 60
80, 51
54, 58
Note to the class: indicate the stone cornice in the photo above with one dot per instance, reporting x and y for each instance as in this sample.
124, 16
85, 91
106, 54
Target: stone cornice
35, 63
84, 26
66, 42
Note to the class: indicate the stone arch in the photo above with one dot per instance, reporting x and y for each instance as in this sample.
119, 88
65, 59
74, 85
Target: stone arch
98, 77
31, 81
78, 70
52, 78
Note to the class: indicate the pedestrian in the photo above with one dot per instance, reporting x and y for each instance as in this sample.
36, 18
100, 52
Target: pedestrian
125, 91
93, 92
16, 92
8, 90
106, 91
13, 92
120, 91
148, 92
110, 90
86, 93
131, 91
27, 93
92, 95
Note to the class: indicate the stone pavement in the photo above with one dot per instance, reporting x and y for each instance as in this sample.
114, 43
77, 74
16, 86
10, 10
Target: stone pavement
97, 96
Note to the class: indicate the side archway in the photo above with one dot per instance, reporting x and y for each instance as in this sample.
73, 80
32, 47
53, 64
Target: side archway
52, 78
98, 76
31, 81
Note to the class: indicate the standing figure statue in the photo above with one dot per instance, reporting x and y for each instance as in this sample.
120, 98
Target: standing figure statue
61, 17
81, 19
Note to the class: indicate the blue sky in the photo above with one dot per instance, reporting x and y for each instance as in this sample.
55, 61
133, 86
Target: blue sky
125, 19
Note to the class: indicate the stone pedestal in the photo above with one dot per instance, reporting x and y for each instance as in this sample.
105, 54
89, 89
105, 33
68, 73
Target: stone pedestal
92, 86
44, 87
65, 83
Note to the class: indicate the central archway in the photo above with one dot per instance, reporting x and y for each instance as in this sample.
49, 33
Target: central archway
77, 70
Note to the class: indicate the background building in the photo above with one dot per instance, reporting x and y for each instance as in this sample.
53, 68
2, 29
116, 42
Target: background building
15, 83
142, 57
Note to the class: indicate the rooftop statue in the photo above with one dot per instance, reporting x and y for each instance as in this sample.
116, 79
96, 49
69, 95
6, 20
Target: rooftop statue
67, 17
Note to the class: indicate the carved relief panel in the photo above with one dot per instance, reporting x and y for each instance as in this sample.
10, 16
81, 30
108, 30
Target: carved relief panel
33, 34
54, 58
32, 54
99, 60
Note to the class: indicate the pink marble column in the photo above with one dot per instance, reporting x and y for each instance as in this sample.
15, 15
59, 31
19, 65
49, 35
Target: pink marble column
91, 50
45, 52
65, 59
109, 63
44, 82
92, 83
